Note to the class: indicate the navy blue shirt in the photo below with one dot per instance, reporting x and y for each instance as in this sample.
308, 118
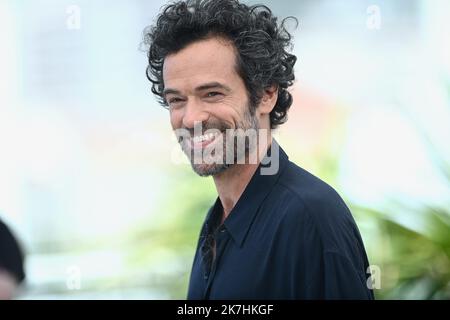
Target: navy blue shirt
289, 236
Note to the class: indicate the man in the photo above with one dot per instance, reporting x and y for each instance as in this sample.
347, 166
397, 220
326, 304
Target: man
11, 263
275, 231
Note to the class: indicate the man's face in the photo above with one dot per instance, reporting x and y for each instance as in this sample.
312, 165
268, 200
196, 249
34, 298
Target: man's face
207, 98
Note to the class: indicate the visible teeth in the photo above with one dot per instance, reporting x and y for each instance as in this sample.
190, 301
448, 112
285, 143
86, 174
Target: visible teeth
205, 137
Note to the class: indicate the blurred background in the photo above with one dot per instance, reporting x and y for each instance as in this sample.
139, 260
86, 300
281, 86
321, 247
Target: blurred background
93, 186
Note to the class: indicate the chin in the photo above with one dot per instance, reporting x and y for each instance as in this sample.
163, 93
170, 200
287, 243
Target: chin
206, 170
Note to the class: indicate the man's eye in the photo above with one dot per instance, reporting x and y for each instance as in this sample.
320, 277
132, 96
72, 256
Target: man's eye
174, 100
213, 94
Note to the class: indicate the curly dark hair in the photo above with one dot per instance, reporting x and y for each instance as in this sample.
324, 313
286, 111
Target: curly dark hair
262, 45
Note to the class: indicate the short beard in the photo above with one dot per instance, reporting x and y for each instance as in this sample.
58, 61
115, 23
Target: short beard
219, 163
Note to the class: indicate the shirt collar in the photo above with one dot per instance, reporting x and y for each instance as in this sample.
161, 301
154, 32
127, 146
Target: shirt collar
262, 182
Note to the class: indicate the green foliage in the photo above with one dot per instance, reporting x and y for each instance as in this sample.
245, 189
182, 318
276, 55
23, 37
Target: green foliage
414, 264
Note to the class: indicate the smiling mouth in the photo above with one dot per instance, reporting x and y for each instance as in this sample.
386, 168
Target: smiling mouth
200, 142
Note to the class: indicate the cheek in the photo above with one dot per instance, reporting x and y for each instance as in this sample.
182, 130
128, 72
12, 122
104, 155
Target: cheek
175, 119
231, 111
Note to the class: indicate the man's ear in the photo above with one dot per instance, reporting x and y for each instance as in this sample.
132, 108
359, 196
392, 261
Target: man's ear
268, 100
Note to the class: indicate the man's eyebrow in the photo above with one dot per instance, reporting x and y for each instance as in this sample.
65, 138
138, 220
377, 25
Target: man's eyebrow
213, 85
206, 86
169, 90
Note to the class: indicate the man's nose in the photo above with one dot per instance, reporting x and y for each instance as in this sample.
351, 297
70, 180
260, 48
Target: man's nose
193, 113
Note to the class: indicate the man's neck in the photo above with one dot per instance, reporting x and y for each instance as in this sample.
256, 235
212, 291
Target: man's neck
231, 183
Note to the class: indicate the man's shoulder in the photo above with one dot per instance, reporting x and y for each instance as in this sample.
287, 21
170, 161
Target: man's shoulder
313, 206
312, 192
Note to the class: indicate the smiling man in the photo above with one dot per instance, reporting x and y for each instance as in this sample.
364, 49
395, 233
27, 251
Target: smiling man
275, 231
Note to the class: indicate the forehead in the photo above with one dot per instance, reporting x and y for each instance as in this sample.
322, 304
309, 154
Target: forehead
203, 61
